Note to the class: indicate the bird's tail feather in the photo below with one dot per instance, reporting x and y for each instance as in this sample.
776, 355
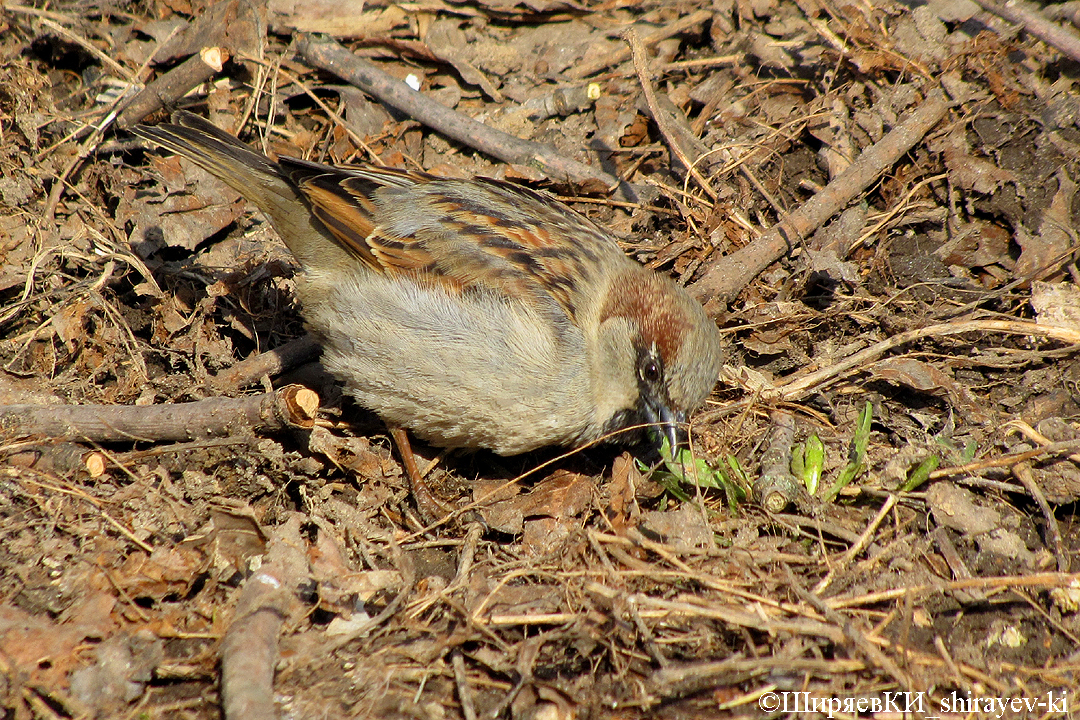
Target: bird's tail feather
255, 176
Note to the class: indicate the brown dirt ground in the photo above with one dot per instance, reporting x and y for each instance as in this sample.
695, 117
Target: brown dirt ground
582, 589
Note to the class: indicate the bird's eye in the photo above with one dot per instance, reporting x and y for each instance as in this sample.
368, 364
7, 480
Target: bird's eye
650, 372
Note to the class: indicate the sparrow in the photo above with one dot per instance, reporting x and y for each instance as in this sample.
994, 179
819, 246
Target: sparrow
475, 313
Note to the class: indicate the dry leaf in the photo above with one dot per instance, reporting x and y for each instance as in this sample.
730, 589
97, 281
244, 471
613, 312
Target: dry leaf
560, 495
927, 378
1056, 237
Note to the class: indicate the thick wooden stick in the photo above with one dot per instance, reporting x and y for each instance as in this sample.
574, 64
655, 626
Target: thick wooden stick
291, 406
731, 273
333, 57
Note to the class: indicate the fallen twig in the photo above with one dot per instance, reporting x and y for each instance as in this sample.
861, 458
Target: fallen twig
997, 583
249, 650
173, 85
690, 679
776, 487
1034, 435
1022, 472
291, 406
61, 459
798, 387
673, 135
272, 362
461, 680
731, 273
1058, 448
249, 653
864, 540
333, 57
1034, 22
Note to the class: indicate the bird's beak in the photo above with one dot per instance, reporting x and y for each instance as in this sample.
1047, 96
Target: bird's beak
671, 424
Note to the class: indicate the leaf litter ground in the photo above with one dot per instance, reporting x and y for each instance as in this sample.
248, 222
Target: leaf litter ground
942, 292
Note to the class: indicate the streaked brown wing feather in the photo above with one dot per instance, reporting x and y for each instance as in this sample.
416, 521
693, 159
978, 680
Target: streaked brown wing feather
400, 254
472, 233
349, 222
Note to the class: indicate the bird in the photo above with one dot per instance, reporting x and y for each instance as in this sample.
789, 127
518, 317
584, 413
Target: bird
475, 313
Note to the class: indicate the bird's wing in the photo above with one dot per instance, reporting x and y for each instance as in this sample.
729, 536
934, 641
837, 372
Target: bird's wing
469, 233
